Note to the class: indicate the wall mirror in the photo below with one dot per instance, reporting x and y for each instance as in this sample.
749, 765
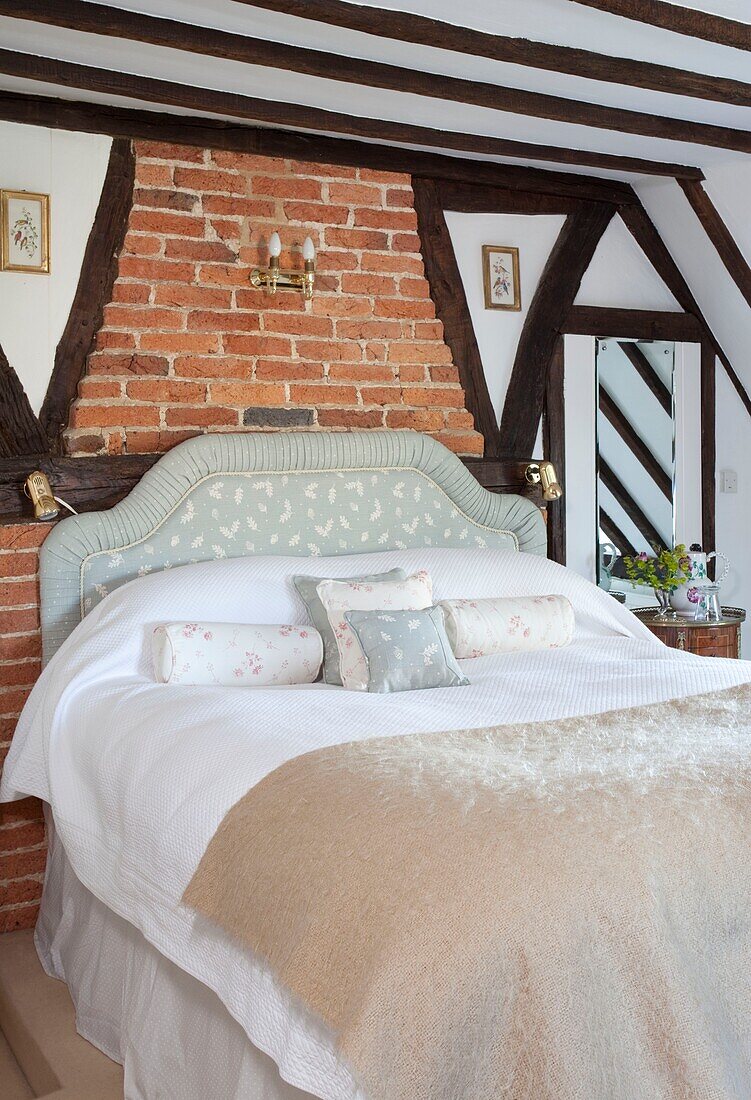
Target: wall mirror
635, 443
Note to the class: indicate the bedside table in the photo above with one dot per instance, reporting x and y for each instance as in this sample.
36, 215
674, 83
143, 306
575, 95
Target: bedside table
721, 638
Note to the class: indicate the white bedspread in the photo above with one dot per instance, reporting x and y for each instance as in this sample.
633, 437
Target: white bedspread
139, 774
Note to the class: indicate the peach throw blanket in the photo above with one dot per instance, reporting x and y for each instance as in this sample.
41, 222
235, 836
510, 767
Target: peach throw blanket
535, 912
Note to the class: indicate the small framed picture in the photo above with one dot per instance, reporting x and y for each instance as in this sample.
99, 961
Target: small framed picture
25, 232
500, 275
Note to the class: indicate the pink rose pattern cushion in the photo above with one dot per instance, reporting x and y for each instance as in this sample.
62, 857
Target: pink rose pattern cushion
508, 624
412, 594
236, 654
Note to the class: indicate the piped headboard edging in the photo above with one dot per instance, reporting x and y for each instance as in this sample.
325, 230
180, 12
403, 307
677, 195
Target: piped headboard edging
297, 493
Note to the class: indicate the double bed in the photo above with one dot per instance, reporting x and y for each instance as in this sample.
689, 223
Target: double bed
137, 777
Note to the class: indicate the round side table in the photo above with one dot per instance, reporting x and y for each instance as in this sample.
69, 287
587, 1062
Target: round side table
721, 638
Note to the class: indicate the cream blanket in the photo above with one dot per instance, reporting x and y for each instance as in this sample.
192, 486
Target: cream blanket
537, 912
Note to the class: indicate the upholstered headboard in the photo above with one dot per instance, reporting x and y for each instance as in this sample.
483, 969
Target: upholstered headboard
305, 493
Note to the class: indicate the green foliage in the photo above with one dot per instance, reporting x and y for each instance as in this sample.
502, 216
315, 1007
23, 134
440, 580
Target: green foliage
666, 572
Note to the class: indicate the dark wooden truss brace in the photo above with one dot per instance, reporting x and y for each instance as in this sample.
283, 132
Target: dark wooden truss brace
94, 290
680, 19
634, 324
95, 118
640, 520
406, 27
648, 375
614, 533
720, 236
568, 260
649, 240
20, 431
447, 291
628, 433
373, 74
554, 450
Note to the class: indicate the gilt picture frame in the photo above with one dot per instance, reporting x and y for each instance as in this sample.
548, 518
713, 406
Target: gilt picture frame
500, 276
25, 232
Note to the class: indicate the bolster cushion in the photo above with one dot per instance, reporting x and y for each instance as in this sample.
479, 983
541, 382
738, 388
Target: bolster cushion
236, 654
508, 624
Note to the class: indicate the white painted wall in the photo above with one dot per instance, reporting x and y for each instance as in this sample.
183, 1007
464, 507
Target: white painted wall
621, 276
70, 168
498, 331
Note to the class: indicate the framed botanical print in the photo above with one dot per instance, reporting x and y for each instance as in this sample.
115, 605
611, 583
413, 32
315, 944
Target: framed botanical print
24, 232
500, 276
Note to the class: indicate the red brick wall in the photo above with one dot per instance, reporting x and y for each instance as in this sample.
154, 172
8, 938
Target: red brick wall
188, 346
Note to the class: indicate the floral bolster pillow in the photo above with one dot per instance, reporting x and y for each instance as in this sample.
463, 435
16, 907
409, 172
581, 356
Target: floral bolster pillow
236, 654
307, 589
508, 624
406, 650
411, 594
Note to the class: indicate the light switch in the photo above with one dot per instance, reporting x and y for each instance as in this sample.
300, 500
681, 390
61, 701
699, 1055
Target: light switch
728, 481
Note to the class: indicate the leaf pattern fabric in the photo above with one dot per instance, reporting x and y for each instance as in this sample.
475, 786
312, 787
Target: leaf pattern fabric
508, 624
406, 650
235, 654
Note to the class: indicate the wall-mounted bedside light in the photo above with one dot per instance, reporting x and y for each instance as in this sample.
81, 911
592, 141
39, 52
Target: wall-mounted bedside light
544, 475
272, 277
37, 489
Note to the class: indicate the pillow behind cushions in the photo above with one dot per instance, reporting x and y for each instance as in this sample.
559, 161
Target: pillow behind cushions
406, 650
508, 624
411, 594
235, 654
306, 587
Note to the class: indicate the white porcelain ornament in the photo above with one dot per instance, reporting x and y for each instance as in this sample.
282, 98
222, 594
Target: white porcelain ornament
698, 577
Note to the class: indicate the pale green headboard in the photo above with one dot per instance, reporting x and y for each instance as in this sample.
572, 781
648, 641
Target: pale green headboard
306, 493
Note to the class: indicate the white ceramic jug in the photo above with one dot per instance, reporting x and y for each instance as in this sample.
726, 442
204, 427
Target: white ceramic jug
698, 577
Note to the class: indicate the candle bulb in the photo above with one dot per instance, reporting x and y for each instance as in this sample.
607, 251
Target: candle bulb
275, 244
308, 249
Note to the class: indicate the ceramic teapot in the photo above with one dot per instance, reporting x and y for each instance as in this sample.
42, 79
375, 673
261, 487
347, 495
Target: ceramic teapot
698, 577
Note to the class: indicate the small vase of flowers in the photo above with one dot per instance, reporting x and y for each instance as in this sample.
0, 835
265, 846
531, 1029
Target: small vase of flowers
663, 573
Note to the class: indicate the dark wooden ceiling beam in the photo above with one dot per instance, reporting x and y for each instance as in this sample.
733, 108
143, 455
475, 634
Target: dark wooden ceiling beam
645, 233
635, 513
693, 22
720, 236
405, 26
447, 291
634, 324
104, 20
94, 290
558, 285
20, 430
648, 375
628, 433
272, 142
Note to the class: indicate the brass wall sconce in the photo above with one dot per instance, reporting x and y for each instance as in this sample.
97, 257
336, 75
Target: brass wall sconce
37, 488
544, 475
273, 278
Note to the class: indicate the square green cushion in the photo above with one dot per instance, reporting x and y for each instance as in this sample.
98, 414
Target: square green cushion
307, 589
406, 650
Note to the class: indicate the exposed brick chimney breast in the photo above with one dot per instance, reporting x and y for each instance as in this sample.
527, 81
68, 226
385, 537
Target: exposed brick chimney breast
187, 345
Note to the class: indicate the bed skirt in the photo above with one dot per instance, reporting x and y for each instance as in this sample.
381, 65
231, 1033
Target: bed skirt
140, 1009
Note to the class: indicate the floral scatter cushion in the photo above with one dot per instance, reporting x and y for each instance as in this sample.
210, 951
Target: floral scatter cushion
306, 587
508, 624
406, 650
233, 653
411, 594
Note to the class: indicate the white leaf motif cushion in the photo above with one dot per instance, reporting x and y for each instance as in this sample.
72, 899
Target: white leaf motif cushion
507, 624
415, 593
236, 654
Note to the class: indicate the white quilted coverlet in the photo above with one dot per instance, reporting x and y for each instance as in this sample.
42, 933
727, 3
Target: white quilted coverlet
139, 774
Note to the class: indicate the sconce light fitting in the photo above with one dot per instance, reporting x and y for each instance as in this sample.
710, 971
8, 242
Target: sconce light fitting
544, 475
273, 278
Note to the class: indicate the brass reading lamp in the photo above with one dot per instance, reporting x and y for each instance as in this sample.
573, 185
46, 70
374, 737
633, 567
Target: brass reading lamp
544, 475
37, 488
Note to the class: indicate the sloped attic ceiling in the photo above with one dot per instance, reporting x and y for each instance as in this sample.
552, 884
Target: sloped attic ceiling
635, 90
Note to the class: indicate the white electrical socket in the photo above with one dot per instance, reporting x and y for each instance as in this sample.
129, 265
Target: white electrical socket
728, 481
